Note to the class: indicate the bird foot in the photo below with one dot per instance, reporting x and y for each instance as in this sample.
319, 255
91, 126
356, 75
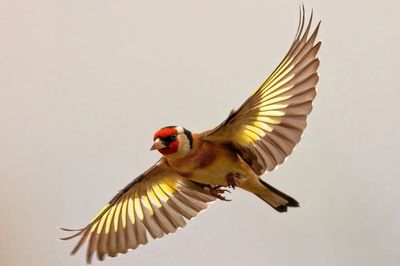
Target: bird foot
232, 179
217, 192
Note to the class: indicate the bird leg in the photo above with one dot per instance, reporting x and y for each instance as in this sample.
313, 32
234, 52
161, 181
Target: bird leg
217, 192
232, 179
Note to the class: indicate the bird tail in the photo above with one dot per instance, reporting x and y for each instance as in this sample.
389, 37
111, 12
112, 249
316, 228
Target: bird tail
275, 198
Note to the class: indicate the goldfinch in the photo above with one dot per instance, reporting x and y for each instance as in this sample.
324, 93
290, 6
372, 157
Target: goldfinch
196, 168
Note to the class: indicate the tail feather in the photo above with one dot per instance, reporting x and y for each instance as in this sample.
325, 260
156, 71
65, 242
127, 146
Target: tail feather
275, 198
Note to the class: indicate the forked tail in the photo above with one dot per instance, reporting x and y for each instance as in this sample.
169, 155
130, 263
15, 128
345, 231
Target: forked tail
275, 198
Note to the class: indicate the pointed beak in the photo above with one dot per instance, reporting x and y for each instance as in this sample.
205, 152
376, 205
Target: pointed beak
158, 145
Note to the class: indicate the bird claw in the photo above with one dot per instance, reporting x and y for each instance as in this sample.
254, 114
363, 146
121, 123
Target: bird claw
232, 179
217, 192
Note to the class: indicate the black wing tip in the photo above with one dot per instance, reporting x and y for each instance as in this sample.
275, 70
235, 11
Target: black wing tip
70, 237
70, 230
78, 232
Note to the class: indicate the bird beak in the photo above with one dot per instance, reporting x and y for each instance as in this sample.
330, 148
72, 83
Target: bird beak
158, 145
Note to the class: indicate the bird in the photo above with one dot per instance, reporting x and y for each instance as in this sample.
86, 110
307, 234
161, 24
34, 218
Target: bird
196, 169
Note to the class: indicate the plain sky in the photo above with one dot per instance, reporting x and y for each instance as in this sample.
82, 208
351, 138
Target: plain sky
85, 83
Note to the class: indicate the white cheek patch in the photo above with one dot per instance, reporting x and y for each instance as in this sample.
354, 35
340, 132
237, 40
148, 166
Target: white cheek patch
184, 144
180, 130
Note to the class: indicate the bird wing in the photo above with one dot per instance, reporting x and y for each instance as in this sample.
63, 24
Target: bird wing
155, 202
267, 127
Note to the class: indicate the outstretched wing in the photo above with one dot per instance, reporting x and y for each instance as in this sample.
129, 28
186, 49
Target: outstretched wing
267, 127
156, 202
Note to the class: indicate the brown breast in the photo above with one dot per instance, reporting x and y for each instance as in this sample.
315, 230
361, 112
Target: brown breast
206, 155
203, 154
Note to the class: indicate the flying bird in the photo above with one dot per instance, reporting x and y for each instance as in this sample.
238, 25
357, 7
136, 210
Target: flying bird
196, 168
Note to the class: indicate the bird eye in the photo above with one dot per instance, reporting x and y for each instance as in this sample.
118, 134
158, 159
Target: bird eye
173, 137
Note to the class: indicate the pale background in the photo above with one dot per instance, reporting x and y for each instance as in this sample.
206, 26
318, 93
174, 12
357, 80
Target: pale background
85, 83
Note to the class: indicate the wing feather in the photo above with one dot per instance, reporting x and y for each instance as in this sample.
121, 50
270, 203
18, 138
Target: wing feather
130, 233
154, 203
269, 124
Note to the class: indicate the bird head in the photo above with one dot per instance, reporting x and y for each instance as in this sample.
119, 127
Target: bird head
173, 140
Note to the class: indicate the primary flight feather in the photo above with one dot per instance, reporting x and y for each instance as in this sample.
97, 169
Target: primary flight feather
195, 168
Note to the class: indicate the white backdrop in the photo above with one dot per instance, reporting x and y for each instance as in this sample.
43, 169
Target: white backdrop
84, 85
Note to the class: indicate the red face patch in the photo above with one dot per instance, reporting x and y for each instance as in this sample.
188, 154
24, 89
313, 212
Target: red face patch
165, 135
165, 132
172, 148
